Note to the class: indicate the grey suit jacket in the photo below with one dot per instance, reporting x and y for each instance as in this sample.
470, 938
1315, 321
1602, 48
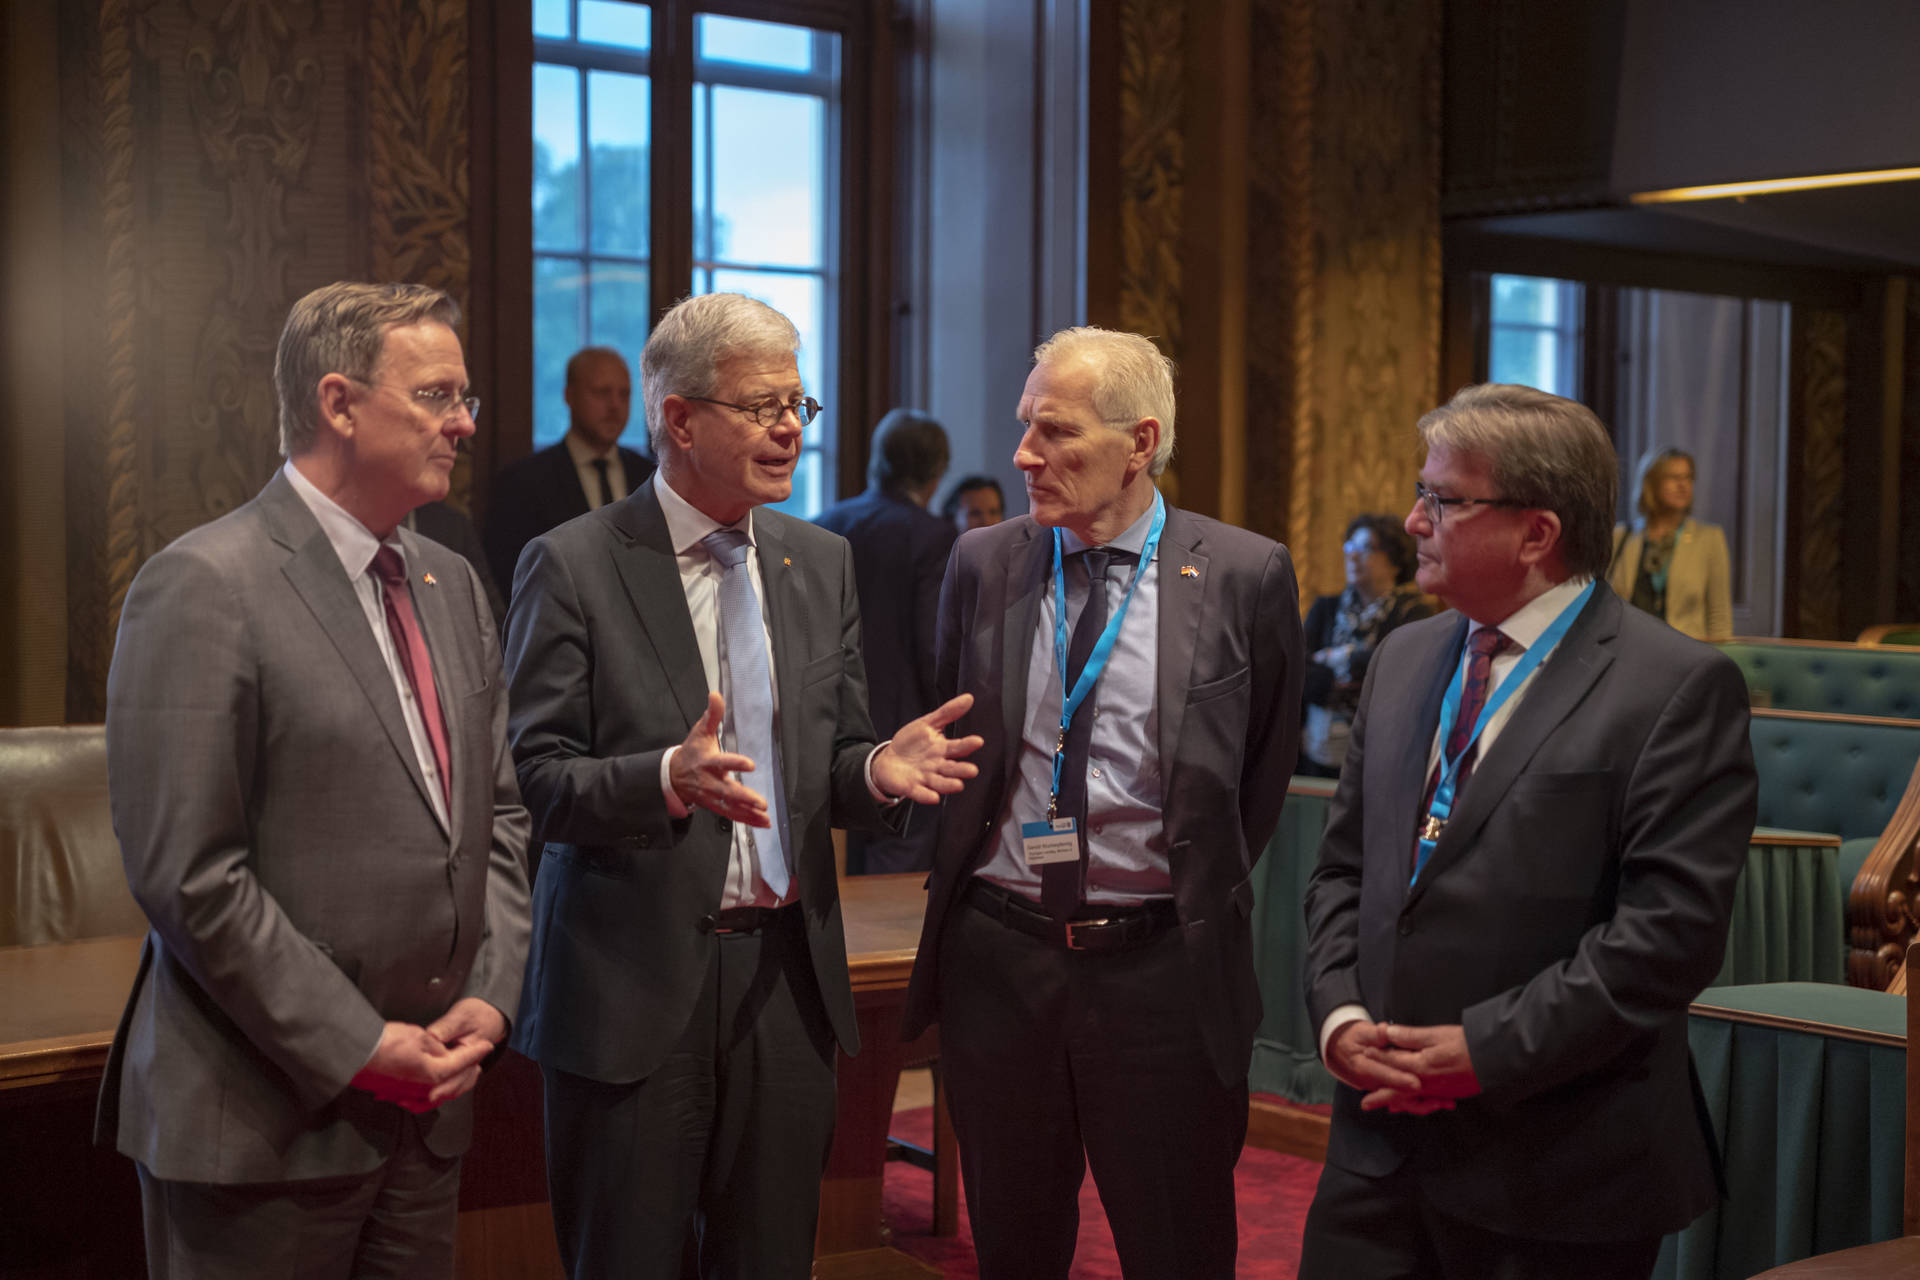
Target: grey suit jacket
1228, 702
1577, 901
276, 830
606, 676
1699, 579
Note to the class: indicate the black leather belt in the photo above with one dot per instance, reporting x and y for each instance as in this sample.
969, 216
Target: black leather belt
1102, 929
747, 919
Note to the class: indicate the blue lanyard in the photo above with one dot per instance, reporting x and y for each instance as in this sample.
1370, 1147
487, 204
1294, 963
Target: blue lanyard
1070, 699
1442, 807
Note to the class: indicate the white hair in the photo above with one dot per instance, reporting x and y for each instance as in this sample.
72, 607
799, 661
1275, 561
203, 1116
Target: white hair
1132, 379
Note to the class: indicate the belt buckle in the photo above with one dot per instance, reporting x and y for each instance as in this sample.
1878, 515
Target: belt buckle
1073, 942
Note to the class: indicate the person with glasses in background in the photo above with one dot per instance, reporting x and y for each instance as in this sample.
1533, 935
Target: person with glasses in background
689, 723
588, 469
1527, 874
1343, 630
1668, 563
306, 740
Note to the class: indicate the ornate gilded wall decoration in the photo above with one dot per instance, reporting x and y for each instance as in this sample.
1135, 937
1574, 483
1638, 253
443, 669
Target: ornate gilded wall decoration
1152, 169
1823, 406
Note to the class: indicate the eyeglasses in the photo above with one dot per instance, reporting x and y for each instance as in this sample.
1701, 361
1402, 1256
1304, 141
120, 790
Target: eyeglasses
1435, 504
769, 412
436, 400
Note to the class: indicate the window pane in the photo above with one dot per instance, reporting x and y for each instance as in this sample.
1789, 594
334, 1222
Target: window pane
1525, 300
807, 499
628, 26
768, 177
761, 44
1523, 356
799, 299
617, 313
550, 19
556, 157
617, 117
556, 336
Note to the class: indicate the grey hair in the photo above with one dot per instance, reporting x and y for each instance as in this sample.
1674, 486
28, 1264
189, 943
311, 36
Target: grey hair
1545, 451
1134, 380
342, 328
698, 334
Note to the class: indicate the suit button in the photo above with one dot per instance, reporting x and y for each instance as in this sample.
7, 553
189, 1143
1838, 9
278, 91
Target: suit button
645, 842
721, 824
1406, 928
432, 983
453, 862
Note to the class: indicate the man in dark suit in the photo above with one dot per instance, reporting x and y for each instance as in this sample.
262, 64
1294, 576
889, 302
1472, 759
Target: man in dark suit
1094, 982
1504, 931
687, 982
899, 557
306, 735
587, 470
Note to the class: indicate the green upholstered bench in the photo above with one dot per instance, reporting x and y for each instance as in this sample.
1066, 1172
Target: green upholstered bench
1831, 678
1806, 1085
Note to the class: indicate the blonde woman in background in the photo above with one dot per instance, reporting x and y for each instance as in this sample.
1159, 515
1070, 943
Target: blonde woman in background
1670, 564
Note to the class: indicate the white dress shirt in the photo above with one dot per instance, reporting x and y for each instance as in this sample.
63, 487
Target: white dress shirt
1523, 629
356, 546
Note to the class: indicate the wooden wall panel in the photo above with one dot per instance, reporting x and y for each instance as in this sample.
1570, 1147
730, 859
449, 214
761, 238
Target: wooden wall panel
1820, 476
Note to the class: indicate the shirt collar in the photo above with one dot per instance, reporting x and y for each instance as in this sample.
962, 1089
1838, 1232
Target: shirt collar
352, 541
1524, 625
583, 453
686, 523
1132, 539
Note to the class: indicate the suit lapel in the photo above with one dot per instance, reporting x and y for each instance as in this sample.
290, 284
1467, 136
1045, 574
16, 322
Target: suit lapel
1181, 597
1558, 687
313, 570
643, 557
787, 623
564, 482
446, 652
1029, 576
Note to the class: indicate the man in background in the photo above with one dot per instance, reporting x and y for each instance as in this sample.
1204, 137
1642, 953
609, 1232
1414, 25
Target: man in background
306, 740
587, 470
1527, 875
974, 502
899, 557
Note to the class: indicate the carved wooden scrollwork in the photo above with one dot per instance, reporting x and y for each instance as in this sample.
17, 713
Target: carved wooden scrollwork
1883, 907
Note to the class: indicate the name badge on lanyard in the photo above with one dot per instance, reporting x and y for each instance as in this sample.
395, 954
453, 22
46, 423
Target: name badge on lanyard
1441, 809
1057, 838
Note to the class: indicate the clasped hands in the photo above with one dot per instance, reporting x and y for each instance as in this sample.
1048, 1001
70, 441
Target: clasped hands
421, 1068
1408, 1070
920, 764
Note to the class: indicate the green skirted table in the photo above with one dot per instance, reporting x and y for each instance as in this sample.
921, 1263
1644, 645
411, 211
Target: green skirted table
1789, 925
1806, 1084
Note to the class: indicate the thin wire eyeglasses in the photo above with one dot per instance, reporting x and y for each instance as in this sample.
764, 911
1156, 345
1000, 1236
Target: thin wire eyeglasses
769, 412
1436, 505
437, 400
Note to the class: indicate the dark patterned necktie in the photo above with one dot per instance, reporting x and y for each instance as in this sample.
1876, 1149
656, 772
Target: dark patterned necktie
606, 484
1062, 883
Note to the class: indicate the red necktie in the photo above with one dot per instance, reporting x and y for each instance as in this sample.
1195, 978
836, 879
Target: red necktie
1485, 645
412, 648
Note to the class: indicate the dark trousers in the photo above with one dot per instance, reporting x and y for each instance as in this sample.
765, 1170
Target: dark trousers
396, 1221
1362, 1228
1056, 1061
874, 855
727, 1138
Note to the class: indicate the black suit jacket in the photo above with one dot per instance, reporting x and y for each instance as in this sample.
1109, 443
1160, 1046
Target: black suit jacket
899, 558
541, 492
1228, 702
1576, 903
604, 674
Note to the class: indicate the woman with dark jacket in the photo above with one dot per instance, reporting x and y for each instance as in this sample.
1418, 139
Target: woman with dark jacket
1343, 630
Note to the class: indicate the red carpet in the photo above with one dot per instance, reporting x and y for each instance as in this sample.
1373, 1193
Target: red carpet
1273, 1193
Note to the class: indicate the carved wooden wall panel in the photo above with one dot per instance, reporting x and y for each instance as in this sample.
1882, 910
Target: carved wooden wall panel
1152, 169
223, 158
1822, 478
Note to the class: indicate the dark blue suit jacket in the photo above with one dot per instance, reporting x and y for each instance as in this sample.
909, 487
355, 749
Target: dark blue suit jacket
538, 493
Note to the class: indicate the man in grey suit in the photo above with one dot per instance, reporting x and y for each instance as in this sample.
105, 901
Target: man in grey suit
306, 737
687, 982
1527, 874
1087, 951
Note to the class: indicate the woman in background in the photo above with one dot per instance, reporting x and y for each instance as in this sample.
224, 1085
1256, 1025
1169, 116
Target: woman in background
1343, 630
1670, 564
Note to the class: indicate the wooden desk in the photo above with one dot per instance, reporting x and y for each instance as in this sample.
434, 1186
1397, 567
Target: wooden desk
59, 1006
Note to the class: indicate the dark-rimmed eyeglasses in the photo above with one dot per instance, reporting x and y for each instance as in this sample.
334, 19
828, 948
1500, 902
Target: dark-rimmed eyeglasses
435, 400
1435, 504
769, 412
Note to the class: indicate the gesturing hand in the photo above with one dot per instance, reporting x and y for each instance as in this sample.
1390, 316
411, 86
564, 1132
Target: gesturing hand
701, 774
922, 763
413, 1069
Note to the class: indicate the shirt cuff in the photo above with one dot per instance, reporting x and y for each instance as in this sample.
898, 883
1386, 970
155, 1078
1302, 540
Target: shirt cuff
1339, 1018
872, 790
674, 805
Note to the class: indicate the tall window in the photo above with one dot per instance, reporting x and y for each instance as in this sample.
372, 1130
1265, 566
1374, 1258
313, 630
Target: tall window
1535, 333
763, 198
